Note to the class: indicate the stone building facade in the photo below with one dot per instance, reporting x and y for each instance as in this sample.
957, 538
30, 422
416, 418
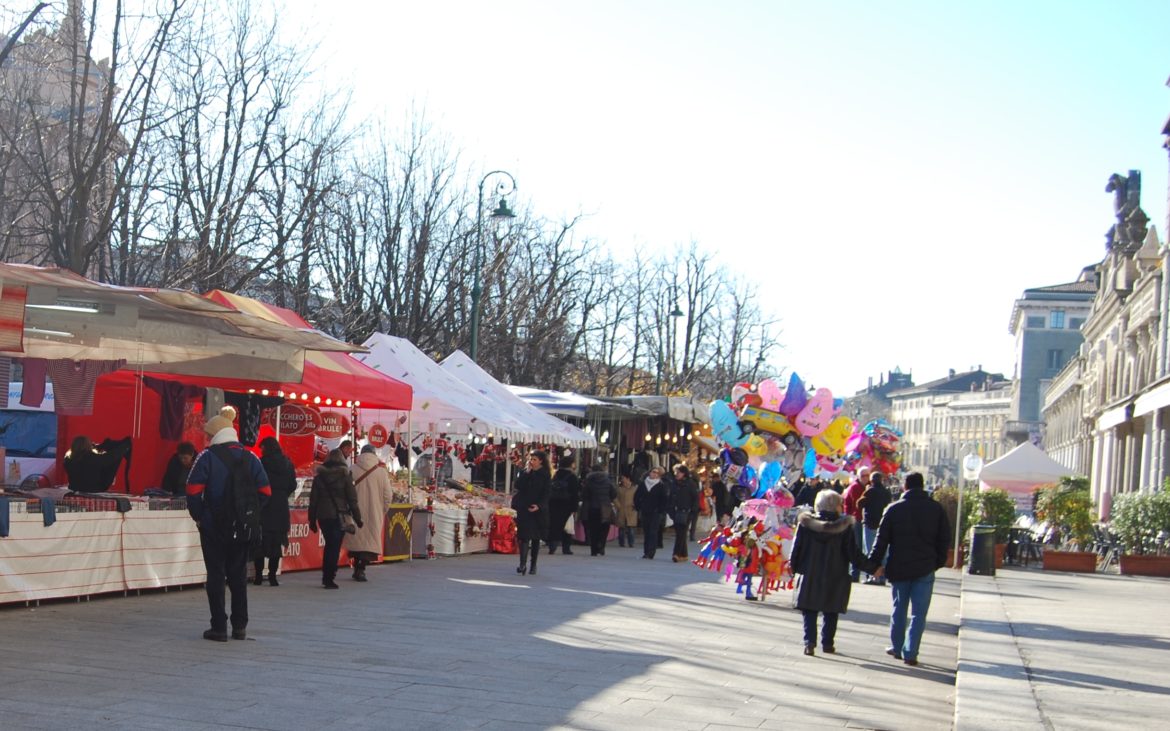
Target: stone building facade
1108, 410
964, 413
1046, 323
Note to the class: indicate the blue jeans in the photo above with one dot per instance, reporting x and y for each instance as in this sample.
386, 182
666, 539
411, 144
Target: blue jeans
854, 572
870, 536
913, 595
626, 536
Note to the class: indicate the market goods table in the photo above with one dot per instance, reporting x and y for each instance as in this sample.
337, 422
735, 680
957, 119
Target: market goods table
610, 642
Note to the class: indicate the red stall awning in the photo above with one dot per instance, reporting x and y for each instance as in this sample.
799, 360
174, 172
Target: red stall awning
331, 375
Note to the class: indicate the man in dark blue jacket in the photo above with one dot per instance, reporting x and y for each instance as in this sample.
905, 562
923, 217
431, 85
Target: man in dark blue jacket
916, 533
226, 558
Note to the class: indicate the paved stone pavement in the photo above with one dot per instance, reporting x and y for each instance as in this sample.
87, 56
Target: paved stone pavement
1046, 650
613, 642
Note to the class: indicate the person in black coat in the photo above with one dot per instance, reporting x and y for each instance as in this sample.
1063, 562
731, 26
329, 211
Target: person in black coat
652, 500
274, 519
873, 503
597, 498
563, 499
684, 504
174, 479
821, 554
916, 533
531, 505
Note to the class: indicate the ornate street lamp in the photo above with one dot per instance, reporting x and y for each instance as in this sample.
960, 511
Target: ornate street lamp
501, 213
675, 313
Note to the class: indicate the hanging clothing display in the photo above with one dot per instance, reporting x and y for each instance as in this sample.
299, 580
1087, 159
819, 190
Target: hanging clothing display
174, 396
5, 379
248, 407
212, 402
35, 370
74, 382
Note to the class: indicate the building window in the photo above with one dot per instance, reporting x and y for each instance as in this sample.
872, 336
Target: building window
1075, 323
1035, 321
1056, 319
1055, 359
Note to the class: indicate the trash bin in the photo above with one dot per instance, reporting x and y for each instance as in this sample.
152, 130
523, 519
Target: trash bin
982, 559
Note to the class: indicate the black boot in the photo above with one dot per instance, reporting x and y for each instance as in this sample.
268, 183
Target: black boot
532, 568
259, 577
523, 558
273, 567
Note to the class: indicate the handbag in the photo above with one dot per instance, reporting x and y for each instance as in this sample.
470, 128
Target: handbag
571, 523
345, 517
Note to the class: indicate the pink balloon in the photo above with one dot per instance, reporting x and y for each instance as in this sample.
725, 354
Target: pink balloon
770, 395
816, 414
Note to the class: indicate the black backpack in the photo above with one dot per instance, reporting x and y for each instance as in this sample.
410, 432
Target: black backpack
238, 518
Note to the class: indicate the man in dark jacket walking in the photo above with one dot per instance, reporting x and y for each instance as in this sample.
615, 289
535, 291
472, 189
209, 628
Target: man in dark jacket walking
916, 533
873, 503
224, 556
684, 499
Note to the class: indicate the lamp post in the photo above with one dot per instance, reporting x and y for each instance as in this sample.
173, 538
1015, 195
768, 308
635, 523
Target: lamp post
501, 213
675, 313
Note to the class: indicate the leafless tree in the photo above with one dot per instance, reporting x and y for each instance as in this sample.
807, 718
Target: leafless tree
73, 127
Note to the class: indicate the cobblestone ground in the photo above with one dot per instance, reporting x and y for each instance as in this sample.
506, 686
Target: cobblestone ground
612, 642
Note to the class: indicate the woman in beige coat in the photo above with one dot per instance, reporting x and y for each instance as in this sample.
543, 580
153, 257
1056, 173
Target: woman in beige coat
374, 493
627, 516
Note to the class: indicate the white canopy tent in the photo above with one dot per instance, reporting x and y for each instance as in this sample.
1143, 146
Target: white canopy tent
1021, 471
440, 399
546, 428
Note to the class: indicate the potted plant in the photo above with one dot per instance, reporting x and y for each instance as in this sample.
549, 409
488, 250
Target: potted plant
1142, 524
948, 497
997, 508
1067, 508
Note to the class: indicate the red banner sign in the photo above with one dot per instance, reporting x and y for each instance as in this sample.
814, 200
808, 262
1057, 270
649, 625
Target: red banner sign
378, 435
295, 420
333, 424
305, 549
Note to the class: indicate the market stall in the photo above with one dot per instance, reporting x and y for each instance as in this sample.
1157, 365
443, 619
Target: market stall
456, 421
163, 353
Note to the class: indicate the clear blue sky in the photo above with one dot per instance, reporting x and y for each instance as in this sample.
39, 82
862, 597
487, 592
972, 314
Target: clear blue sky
893, 175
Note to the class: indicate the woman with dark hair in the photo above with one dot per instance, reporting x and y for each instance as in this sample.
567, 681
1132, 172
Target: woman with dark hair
174, 479
332, 494
562, 502
531, 505
274, 522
